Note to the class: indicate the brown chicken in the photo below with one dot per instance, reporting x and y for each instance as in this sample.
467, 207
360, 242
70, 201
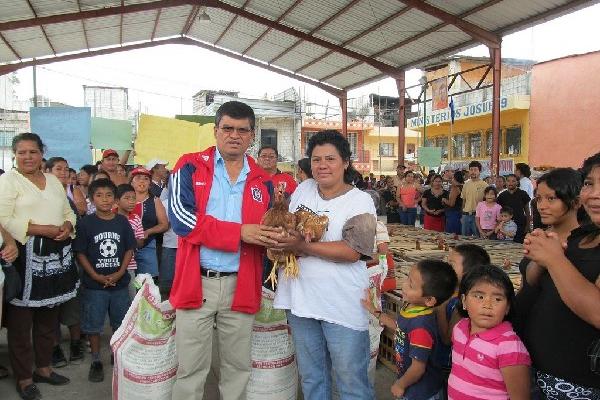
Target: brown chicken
311, 225
280, 217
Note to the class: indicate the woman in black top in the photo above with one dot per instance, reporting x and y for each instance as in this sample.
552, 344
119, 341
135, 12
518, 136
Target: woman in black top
432, 203
564, 322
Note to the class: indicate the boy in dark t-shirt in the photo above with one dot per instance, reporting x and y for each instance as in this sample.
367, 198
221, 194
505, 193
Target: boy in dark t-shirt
429, 283
104, 246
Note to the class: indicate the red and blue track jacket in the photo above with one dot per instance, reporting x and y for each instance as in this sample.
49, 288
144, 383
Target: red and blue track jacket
189, 191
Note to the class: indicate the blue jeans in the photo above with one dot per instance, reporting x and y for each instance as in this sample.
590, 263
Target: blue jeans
408, 217
322, 347
453, 221
469, 228
147, 262
167, 268
96, 303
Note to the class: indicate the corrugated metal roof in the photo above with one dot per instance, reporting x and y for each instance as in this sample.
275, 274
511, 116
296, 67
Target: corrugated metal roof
390, 32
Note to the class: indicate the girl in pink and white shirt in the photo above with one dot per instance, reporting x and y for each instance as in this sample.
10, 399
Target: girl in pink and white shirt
489, 361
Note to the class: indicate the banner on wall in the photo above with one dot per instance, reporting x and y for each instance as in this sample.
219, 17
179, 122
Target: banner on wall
168, 138
111, 134
439, 93
66, 132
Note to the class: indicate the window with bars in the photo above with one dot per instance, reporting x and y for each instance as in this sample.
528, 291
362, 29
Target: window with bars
474, 145
443, 143
459, 146
488, 142
513, 141
386, 149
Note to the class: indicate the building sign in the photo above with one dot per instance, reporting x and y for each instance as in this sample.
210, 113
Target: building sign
468, 111
507, 166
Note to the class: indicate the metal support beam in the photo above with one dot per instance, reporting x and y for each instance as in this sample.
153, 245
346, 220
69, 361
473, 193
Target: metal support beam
279, 19
85, 36
8, 68
229, 25
189, 22
481, 35
401, 86
156, 23
96, 13
10, 47
343, 98
383, 67
495, 55
313, 31
372, 28
121, 25
325, 87
41, 27
409, 40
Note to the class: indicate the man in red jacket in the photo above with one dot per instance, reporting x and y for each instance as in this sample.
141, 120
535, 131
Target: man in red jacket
216, 201
267, 159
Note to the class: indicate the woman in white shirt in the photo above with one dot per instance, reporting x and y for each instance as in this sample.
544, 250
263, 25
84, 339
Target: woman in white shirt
329, 326
35, 211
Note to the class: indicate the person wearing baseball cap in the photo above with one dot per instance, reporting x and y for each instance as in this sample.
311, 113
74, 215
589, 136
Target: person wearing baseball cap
110, 160
159, 175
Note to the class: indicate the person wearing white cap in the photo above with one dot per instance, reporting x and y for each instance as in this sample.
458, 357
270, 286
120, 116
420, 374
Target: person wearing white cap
158, 169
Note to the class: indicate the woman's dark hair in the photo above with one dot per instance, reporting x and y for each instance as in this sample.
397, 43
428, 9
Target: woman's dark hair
439, 279
523, 169
89, 169
566, 183
72, 171
490, 189
434, 177
589, 164
52, 161
335, 139
28, 136
459, 177
409, 172
473, 256
494, 276
304, 165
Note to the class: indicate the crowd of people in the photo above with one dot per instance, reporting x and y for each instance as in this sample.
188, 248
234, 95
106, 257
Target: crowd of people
458, 201
72, 244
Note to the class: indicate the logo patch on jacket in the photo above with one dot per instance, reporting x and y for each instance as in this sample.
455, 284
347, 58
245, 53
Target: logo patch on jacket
257, 194
205, 157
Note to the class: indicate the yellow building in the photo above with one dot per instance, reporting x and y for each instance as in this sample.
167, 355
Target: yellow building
382, 145
470, 136
471, 133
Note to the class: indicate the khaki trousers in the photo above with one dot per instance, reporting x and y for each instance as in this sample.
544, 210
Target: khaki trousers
194, 341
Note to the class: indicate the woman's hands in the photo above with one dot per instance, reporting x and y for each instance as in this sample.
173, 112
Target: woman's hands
544, 247
291, 241
64, 231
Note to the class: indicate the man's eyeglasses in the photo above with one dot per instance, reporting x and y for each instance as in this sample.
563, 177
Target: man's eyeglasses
230, 129
268, 156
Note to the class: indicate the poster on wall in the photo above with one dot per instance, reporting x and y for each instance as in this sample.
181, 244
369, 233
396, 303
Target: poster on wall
65, 131
439, 93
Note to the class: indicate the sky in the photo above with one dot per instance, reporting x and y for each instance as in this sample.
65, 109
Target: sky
162, 80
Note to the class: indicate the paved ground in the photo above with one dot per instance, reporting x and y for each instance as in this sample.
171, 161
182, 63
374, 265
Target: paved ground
81, 389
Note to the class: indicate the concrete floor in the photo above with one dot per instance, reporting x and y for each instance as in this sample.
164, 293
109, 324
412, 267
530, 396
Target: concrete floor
81, 389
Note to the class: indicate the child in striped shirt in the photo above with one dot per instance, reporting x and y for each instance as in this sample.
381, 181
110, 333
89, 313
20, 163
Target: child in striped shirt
125, 204
489, 361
